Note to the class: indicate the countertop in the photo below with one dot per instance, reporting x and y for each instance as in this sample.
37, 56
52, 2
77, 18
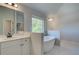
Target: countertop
3, 38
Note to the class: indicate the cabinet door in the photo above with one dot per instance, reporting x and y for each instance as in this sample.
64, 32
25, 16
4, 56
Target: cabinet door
11, 48
26, 47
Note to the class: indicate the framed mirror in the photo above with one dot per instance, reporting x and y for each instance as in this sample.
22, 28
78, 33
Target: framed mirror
11, 21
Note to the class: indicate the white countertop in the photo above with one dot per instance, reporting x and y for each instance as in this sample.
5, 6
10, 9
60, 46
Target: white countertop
3, 38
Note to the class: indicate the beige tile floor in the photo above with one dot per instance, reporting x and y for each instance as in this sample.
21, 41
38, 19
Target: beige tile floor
66, 48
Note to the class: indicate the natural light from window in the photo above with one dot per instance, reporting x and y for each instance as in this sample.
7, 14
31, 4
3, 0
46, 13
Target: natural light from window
37, 25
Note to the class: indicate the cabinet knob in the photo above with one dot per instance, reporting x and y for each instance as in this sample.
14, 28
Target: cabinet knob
25, 40
21, 44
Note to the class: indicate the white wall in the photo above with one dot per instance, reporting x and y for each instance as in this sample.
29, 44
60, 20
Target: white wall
37, 43
53, 25
69, 22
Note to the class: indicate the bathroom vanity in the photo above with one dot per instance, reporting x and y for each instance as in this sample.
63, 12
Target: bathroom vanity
12, 22
17, 45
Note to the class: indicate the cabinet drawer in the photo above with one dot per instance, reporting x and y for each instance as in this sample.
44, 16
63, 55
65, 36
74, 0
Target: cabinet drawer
10, 43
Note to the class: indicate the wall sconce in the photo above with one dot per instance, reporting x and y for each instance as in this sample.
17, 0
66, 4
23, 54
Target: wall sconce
12, 4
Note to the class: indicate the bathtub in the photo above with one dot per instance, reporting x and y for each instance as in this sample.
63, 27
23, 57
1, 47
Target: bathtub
48, 43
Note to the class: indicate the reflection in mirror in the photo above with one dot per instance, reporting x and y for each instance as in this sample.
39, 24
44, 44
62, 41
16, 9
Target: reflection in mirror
20, 27
7, 26
20, 21
7, 20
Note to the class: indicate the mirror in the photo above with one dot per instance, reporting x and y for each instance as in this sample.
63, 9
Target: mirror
10, 21
19, 21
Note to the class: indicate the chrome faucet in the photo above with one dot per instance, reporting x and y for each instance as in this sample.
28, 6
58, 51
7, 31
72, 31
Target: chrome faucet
9, 35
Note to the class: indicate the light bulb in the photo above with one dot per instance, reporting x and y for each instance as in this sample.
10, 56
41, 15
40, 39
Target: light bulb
10, 3
50, 19
15, 5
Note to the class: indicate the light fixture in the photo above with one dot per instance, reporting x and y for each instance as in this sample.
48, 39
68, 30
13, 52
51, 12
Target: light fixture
50, 19
15, 5
12, 4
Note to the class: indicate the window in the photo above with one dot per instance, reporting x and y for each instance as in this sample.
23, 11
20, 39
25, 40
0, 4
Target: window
37, 24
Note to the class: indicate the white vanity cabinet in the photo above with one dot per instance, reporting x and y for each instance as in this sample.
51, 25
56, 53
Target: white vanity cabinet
25, 46
11, 48
15, 47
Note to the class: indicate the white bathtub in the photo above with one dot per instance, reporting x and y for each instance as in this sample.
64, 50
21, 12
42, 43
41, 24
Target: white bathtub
48, 43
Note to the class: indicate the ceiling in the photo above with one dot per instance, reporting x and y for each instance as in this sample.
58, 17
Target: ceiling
46, 8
